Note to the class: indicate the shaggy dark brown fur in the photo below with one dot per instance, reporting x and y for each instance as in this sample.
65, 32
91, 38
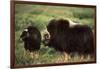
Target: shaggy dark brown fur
32, 38
64, 38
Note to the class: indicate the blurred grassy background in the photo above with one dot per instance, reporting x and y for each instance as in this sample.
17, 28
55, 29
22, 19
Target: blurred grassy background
39, 16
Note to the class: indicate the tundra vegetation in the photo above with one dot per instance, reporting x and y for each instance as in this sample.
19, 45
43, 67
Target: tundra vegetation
39, 16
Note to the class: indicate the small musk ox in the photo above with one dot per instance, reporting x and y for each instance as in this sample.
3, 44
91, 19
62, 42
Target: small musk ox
68, 38
32, 38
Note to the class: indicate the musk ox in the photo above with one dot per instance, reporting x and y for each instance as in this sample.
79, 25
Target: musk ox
32, 38
68, 38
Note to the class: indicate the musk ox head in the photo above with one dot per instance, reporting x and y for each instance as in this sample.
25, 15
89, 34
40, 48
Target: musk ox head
45, 37
25, 34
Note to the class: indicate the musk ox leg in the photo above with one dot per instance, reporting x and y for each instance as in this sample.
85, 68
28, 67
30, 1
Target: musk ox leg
34, 54
82, 57
26, 52
66, 57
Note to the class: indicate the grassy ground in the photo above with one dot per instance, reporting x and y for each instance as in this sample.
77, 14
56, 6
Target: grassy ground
39, 16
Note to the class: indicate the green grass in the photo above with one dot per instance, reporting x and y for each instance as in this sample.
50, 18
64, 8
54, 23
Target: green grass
45, 56
39, 16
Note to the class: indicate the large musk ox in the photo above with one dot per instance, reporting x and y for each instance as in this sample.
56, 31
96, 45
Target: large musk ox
68, 38
32, 38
